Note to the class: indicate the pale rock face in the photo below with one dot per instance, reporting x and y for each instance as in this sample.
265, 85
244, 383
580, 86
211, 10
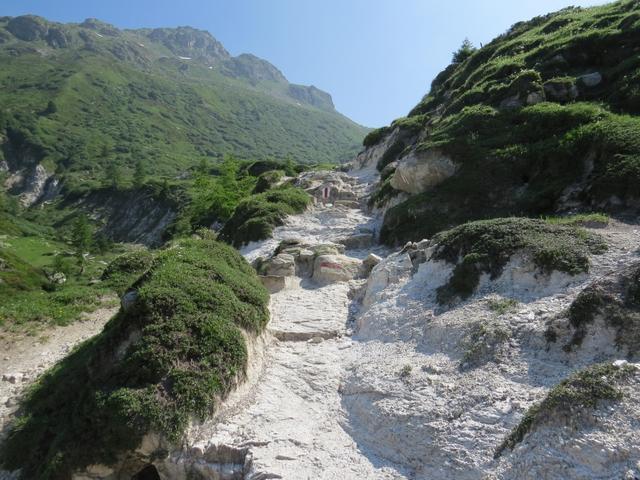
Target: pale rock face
394, 268
283, 265
521, 279
329, 187
358, 241
274, 283
33, 185
335, 268
369, 158
419, 171
369, 263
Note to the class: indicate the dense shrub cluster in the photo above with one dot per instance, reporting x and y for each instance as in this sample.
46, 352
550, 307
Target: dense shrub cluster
169, 357
255, 217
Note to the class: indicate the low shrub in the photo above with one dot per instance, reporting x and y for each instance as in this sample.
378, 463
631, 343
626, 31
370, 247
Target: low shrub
374, 136
583, 389
255, 217
486, 246
166, 359
126, 269
267, 180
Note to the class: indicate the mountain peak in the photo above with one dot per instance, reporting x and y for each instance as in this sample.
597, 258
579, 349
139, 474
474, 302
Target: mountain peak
189, 42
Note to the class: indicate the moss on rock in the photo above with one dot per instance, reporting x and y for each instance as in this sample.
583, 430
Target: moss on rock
584, 389
169, 357
616, 300
486, 246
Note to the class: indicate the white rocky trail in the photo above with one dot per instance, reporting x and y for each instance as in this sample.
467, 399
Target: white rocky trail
291, 415
403, 395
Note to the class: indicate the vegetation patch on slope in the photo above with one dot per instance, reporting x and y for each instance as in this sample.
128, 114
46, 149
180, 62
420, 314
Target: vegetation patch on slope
125, 269
584, 389
543, 118
169, 357
520, 162
617, 301
486, 246
148, 105
255, 217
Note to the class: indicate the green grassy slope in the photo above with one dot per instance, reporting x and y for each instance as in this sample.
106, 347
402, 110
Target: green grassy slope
121, 97
548, 107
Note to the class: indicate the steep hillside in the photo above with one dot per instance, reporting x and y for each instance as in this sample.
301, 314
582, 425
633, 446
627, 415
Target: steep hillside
542, 119
77, 98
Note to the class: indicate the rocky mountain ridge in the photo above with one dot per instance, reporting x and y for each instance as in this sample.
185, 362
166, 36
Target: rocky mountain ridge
184, 43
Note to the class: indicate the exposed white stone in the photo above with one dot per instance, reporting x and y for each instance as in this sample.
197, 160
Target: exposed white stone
282, 265
591, 79
420, 171
335, 268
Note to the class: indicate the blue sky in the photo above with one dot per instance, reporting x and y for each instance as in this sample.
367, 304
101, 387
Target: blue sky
376, 57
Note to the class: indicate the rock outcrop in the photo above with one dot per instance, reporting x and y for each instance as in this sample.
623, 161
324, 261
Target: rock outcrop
419, 171
135, 216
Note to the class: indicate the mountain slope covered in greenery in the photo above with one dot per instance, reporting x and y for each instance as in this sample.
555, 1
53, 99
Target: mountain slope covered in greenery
80, 97
542, 119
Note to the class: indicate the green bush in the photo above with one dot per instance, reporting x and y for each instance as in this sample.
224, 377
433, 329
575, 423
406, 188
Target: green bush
374, 136
268, 180
255, 217
127, 268
168, 358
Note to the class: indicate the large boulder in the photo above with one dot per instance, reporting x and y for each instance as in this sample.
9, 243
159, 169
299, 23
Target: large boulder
420, 171
335, 268
358, 241
389, 271
591, 79
275, 283
282, 265
561, 90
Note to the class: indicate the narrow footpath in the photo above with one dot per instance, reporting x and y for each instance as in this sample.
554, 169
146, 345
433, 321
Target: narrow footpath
291, 416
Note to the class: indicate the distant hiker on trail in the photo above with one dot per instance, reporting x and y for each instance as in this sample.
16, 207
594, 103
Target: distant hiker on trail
326, 193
